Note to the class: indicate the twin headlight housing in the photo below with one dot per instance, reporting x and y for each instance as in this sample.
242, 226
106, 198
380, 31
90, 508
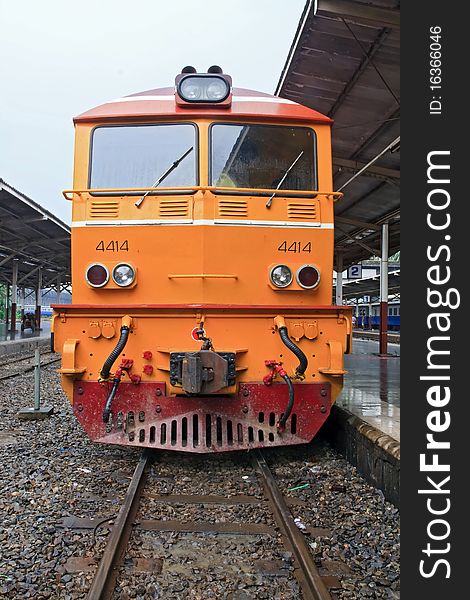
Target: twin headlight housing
203, 88
213, 88
307, 276
97, 275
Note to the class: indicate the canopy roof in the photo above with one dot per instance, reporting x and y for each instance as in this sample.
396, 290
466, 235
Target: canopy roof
344, 62
33, 237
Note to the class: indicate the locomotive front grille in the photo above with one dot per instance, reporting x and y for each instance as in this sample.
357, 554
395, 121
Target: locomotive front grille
198, 424
213, 432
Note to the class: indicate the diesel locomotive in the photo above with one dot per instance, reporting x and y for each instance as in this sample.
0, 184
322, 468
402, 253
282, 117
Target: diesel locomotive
202, 257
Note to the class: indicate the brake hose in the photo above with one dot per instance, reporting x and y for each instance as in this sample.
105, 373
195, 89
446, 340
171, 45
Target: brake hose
284, 335
107, 407
107, 366
283, 420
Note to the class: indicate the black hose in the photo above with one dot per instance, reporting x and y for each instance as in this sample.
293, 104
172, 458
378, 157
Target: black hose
104, 374
107, 406
303, 362
290, 404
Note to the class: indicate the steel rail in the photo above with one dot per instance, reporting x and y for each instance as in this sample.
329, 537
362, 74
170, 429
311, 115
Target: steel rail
25, 370
314, 587
103, 583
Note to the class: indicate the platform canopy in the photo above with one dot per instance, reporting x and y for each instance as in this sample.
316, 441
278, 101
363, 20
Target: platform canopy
33, 237
344, 62
370, 286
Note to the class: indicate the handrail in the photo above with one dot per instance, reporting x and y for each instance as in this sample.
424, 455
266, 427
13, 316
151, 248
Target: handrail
203, 188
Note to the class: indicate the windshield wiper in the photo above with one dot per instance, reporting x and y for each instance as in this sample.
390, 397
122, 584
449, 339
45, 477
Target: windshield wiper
164, 176
270, 201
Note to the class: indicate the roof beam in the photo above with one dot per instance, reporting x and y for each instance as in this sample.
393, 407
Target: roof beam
7, 258
358, 242
16, 220
388, 148
367, 58
392, 115
360, 13
373, 171
39, 242
357, 223
29, 274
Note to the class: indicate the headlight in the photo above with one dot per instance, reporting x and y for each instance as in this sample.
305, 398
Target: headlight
97, 275
123, 275
203, 88
281, 276
308, 277
190, 91
216, 89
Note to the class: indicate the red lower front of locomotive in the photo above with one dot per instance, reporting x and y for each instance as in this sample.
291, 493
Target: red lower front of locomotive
144, 416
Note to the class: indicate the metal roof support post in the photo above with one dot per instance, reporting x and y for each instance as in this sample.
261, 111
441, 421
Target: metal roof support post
58, 284
22, 301
7, 305
38, 299
339, 277
14, 295
383, 336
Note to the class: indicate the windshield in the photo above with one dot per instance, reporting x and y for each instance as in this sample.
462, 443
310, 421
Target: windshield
136, 156
260, 156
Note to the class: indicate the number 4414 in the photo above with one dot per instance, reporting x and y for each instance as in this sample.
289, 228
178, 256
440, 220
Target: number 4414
113, 246
295, 247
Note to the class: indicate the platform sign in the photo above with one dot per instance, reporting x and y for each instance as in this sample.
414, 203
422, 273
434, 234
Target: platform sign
355, 272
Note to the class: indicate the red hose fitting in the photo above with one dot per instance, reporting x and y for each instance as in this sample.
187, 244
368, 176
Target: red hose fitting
276, 369
126, 364
135, 379
148, 369
147, 355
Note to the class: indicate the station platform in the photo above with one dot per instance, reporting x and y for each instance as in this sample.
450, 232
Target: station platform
372, 386
21, 341
373, 334
364, 424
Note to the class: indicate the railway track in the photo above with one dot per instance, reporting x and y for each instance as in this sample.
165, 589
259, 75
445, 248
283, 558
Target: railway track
23, 364
112, 560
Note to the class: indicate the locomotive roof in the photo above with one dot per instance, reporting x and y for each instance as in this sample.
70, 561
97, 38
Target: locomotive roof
161, 103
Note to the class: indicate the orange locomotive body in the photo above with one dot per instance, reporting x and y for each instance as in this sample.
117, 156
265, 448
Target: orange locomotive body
202, 248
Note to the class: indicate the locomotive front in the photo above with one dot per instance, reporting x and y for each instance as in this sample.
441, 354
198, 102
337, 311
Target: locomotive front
202, 248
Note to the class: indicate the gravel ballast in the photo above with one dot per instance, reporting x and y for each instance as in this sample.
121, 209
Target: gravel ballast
49, 470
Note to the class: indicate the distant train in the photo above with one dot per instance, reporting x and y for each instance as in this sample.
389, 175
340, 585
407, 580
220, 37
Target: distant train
46, 311
368, 316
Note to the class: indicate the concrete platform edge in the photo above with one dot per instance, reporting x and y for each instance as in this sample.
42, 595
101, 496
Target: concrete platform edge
393, 338
23, 345
375, 454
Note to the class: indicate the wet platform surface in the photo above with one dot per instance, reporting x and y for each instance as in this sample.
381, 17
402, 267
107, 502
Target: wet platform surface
9, 336
372, 386
23, 341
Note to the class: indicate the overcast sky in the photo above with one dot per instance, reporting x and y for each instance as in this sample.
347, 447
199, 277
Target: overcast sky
59, 58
